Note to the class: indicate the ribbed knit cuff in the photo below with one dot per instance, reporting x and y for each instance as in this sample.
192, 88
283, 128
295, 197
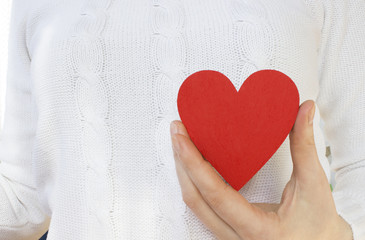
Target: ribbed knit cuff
353, 212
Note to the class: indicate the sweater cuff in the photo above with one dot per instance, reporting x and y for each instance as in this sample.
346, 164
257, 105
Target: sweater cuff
353, 212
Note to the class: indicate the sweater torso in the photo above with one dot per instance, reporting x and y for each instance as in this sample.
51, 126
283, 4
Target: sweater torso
105, 76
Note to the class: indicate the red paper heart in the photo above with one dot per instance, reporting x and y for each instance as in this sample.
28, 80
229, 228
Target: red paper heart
238, 132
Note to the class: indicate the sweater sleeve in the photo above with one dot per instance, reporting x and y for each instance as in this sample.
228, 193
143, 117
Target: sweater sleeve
341, 102
21, 216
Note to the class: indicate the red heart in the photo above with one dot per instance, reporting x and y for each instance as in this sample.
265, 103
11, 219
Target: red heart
238, 132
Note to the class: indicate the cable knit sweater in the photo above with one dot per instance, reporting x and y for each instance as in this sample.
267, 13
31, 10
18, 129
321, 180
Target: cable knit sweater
92, 86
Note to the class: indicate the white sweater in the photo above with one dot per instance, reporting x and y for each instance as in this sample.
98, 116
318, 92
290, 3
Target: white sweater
91, 90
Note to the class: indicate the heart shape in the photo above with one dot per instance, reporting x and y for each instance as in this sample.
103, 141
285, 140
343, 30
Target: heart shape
238, 132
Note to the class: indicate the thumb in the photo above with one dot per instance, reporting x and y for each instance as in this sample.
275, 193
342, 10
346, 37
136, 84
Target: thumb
306, 165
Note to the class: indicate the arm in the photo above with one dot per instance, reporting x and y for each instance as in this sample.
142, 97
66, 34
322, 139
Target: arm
21, 216
341, 102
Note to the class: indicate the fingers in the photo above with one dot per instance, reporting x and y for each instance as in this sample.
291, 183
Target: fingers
306, 165
223, 199
201, 209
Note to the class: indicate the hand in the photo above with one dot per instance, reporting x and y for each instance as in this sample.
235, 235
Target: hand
306, 211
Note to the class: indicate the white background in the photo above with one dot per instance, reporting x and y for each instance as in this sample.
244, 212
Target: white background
5, 6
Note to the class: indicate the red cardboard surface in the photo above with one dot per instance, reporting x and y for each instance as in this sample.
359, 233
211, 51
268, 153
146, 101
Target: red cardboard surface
238, 132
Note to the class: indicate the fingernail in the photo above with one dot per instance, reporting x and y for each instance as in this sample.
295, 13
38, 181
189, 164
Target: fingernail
173, 128
175, 143
311, 114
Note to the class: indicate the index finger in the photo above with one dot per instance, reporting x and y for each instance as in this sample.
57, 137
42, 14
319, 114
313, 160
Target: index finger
229, 204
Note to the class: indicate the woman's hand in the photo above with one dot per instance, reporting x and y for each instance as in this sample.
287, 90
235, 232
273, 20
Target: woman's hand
306, 211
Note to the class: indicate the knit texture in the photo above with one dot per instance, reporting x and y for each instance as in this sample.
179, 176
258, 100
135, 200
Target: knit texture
92, 89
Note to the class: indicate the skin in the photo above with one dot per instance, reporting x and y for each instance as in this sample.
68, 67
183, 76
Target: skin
306, 211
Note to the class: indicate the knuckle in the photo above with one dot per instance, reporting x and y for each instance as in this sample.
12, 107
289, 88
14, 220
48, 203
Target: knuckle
308, 143
176, 157
302, 141
310, 140
216, 198
190, 200
303, 146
